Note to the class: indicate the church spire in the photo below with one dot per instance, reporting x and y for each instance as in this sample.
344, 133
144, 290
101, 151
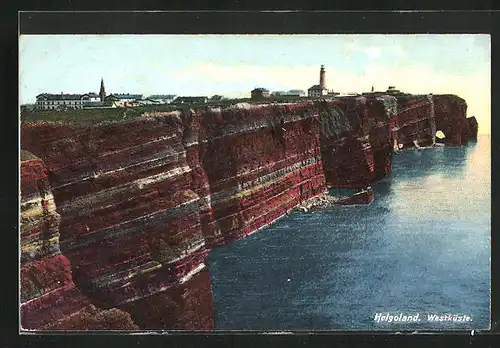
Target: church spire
102, 91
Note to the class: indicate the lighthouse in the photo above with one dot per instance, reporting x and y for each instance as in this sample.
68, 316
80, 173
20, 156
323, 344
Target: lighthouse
320, 90
322, 81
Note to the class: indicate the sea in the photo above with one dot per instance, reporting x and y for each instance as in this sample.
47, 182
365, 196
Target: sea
417, 258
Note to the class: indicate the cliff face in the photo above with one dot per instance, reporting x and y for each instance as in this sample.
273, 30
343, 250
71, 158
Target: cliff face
355, 140
130, 213
419, 117
260, 162
141, 201
415, 121
49, 298
450, 112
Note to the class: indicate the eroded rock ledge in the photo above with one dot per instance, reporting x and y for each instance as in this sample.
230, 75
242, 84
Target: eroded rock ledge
141, 202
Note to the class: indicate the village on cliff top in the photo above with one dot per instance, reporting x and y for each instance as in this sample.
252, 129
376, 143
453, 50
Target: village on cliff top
70, 101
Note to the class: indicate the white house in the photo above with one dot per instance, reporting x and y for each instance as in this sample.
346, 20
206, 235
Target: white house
147, 101
124, 99
47, 101
91, 97
316, 91
163, 98
190, 100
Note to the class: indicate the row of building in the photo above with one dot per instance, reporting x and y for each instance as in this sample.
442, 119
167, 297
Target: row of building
47, 101
316, 91
64, 101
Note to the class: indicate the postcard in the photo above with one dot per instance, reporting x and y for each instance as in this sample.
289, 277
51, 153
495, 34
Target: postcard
334, 182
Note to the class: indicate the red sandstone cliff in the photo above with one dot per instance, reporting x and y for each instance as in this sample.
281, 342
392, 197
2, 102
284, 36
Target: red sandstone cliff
419, 117
141, 201
49, 298
355, 139
450, 112
260, 162
130, 214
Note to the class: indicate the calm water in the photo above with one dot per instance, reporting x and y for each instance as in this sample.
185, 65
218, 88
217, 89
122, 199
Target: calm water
423, 246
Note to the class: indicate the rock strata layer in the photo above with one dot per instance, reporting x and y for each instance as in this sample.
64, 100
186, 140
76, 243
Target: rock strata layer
141, 202
49, 298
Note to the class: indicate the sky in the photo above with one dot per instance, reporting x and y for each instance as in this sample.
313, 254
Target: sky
232, 65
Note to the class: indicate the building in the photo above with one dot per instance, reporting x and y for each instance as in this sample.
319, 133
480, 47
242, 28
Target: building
392, 90
278, 93
331, 93
124, 97
64, 101
162, 98
318, 91
260, 93
296, 93
100, 105
190, 100
148, 101
91, 97
293, 93
349, 94
47, 101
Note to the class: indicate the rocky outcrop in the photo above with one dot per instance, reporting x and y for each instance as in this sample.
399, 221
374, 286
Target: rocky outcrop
142, 201
355, 140
471, 129
450, 112
49, 298
420, 117
415, 121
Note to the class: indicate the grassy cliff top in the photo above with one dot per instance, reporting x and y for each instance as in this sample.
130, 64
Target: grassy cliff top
107, 115
112, 115
82, 116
